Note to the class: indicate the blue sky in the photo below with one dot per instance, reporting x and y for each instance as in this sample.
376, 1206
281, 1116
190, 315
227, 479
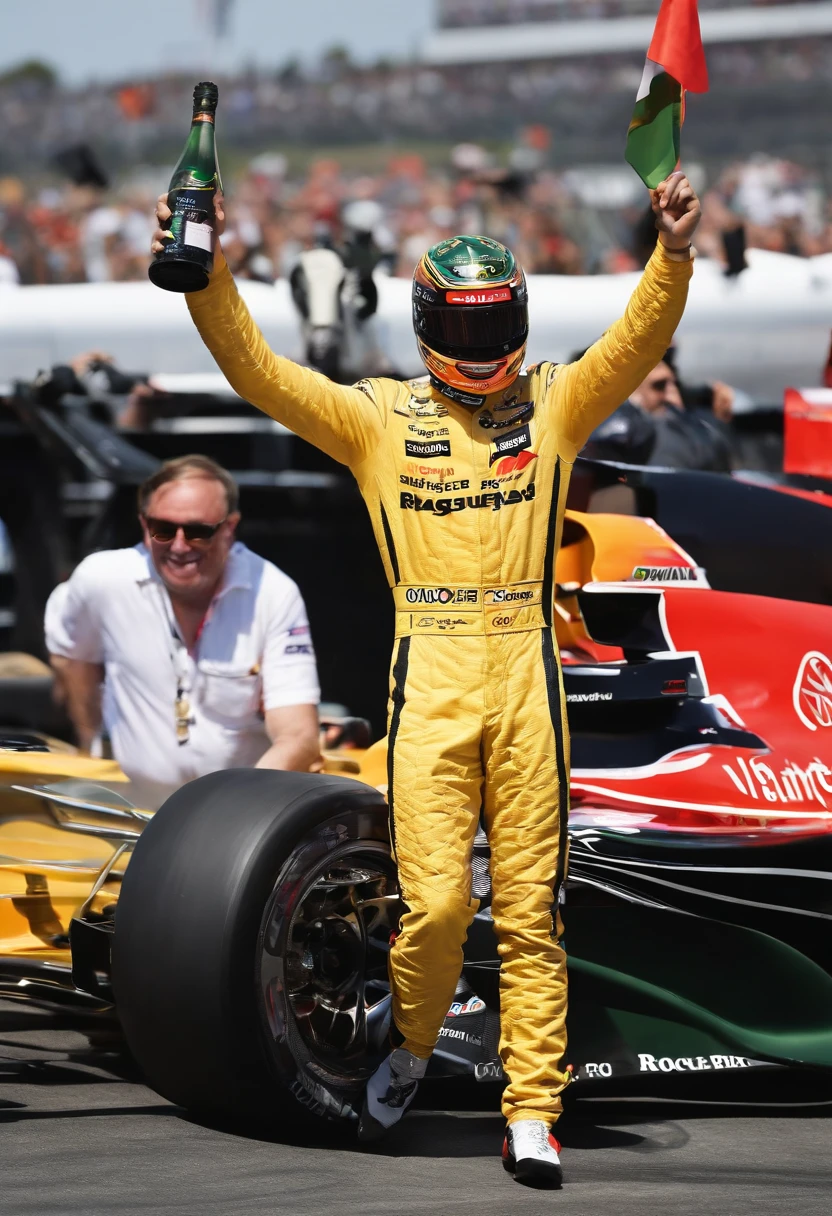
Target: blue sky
107, 39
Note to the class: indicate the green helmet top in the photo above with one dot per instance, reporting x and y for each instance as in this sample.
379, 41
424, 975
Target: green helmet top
469, 259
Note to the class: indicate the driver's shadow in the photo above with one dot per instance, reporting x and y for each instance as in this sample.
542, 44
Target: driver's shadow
463, 1134
448, 1120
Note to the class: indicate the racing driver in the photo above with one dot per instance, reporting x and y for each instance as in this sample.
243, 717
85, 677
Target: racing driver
465, 474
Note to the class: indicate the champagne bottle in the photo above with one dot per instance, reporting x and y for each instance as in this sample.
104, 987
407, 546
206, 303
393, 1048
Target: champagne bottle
188, 257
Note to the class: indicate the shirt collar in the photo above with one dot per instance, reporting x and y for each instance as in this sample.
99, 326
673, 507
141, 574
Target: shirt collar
236, 575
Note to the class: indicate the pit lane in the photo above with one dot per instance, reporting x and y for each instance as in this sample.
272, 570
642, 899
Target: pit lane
80, 1133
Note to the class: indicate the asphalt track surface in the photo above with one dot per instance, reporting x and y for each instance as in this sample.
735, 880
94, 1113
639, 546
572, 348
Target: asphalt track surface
81, 1134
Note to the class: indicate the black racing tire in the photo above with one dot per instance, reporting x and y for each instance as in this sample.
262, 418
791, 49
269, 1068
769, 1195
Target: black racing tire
199, 951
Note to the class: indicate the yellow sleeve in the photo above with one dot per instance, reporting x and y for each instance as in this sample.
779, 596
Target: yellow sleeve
587, 391
345, 422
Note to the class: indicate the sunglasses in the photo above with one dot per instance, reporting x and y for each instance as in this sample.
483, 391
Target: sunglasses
164, 531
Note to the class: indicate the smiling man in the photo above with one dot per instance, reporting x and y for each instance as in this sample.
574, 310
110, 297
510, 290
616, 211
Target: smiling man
188, 650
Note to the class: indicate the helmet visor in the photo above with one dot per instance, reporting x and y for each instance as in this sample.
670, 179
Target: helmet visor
482, 332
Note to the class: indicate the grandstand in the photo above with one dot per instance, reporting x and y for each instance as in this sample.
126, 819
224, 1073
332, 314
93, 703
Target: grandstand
480, 31
488, 69
456, 14
770, 65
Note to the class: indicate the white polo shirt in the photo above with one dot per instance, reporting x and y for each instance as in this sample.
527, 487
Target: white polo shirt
254, 653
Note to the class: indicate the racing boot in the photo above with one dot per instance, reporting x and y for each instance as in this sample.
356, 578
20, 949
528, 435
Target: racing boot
530, 1152
390, 1090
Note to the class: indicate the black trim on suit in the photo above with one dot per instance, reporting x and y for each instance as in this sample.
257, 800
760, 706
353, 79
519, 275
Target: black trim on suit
552, 673
549, 557
399, 678
391, 548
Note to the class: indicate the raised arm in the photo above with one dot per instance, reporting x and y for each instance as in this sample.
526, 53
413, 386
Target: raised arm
344, 422
587, 391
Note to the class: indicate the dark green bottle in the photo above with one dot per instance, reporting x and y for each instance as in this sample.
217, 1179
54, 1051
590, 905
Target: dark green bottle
188, 256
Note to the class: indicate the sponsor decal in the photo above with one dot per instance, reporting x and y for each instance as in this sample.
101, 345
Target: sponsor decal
450, 1032
668, 574
504, 595
503, 622
483, 296
478, 502
478, 371
812, 693
441, 595
679, 688
512, 464
446, 622
426, 432
648, 1063
430, 470
511, 444
425, 293
474, 272
424, 451
757, 780
436, 487
299, 648
590, 1071
497, 482
492, 1070
459, 1008
580, 697
298, 631
427, 409
421, 407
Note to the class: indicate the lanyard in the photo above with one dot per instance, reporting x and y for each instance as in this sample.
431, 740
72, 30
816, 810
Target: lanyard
183, 713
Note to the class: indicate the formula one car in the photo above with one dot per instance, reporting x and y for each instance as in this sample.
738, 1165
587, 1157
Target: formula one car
244, 947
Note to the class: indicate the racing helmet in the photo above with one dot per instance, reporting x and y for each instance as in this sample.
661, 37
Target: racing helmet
470, 314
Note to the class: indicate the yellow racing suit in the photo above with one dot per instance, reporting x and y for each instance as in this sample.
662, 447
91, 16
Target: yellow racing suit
466, 505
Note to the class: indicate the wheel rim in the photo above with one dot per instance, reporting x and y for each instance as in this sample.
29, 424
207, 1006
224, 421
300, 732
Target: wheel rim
324, 947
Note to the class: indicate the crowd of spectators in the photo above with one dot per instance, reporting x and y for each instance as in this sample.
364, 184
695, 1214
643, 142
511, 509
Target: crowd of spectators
75, 204
564, 222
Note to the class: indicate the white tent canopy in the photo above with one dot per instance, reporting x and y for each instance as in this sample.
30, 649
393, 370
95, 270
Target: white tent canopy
537, 40
762, 332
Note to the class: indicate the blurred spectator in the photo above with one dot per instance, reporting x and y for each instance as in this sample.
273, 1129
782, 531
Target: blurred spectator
190, 652
83, 234
20, 240
656, 427
125, 399
628, 436
685, 439
8, 268
717, 397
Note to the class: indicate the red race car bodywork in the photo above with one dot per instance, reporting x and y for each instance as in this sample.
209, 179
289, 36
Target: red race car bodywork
765, 666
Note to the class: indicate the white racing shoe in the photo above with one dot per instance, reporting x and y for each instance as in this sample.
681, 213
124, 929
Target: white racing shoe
530, 1152
390, 1091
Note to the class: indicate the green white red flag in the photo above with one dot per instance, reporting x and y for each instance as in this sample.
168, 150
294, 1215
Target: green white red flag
675, 64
